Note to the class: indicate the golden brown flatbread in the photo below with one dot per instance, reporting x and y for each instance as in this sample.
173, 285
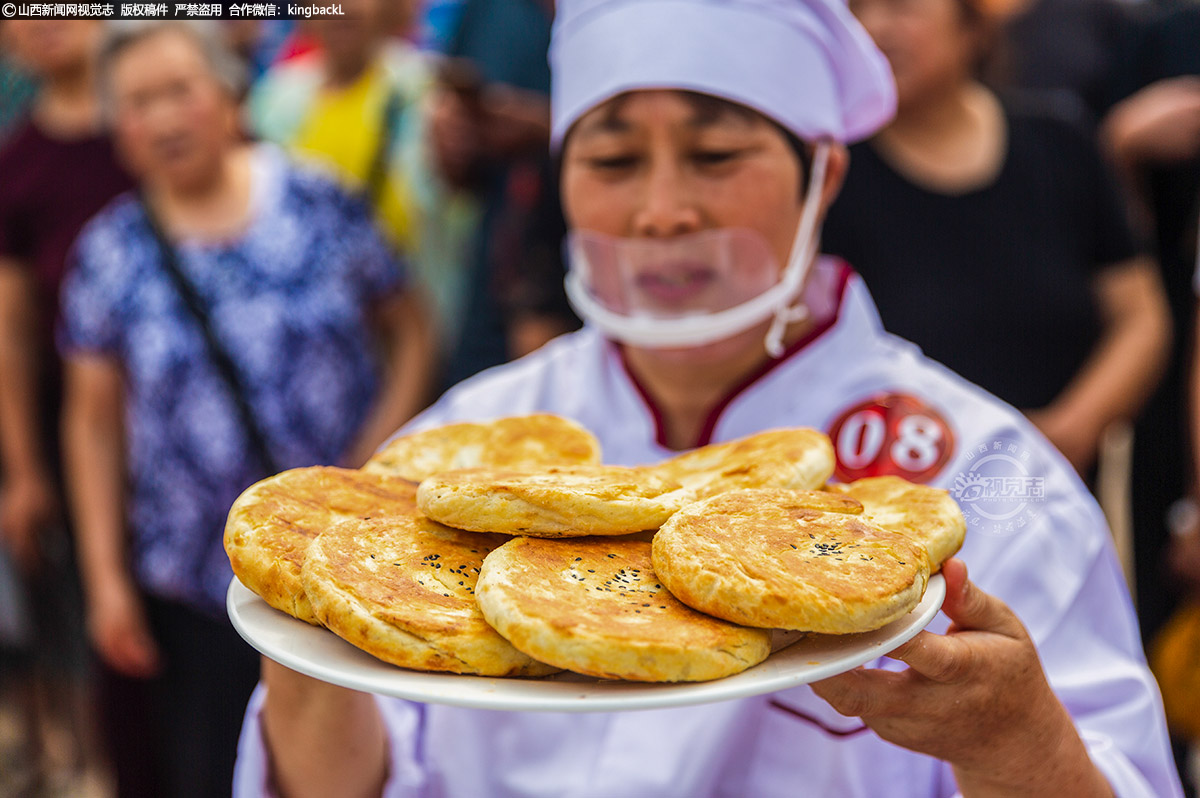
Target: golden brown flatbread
272, 523
556, 501
927, 515
594, 606
799, 560
514, 442
796, 458
403, 590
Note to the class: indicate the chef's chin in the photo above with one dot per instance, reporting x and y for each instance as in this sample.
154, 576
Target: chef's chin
742, 345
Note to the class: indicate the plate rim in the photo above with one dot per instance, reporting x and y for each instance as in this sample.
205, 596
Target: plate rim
574, 693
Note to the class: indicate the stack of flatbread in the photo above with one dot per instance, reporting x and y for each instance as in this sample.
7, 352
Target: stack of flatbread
507, 549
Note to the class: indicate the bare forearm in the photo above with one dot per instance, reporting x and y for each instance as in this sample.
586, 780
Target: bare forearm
93, 446
1125, 366
401, 399
301, 716
408, 382
20, 419
1120, 375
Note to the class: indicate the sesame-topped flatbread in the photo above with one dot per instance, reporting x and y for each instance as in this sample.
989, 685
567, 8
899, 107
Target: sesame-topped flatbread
565, 501
594, 606
272, 523
403, 590
800, 560
796, 458
925, 514
515, 442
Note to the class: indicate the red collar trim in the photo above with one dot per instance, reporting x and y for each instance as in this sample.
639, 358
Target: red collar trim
859, 729
714, 415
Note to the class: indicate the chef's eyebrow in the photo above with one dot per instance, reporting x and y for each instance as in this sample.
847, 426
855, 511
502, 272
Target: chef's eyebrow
709, 110
706, 112
609, 120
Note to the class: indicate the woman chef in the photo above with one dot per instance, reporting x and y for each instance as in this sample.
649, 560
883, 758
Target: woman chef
701, 143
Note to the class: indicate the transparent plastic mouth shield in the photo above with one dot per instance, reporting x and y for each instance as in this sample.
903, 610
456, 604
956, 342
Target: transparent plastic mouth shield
693, 289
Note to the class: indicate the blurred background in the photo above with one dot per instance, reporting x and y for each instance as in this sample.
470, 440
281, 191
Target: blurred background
367, 207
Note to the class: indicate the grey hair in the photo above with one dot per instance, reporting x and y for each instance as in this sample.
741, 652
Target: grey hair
120, 35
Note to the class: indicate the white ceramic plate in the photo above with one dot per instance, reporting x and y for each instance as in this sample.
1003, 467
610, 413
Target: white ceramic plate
323, 655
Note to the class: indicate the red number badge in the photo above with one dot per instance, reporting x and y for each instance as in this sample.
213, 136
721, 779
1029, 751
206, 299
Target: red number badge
891, 434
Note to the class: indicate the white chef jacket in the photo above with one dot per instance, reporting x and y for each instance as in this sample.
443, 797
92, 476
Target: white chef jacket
1055, 567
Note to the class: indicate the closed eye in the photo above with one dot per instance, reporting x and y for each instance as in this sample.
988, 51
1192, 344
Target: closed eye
715, 157
613, 163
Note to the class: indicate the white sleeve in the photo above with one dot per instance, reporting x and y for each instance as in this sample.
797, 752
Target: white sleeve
1062, 579
403, 721
1095, 664
1106, 687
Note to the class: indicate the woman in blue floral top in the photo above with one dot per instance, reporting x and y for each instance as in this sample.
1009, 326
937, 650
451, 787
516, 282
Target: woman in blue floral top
329, 350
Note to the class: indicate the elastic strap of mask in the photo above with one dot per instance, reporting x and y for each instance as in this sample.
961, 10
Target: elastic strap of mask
804, 248
682, 332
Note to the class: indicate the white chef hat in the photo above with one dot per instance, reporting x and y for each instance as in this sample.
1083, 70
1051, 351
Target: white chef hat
807, 64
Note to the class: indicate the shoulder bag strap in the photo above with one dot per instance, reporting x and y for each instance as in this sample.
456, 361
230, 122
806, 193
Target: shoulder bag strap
220, 358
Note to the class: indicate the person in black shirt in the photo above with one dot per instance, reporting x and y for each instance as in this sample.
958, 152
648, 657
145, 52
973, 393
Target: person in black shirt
1153, 136
993, 237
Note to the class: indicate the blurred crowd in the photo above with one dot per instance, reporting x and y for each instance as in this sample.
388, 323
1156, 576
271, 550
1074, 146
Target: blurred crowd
232, 248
